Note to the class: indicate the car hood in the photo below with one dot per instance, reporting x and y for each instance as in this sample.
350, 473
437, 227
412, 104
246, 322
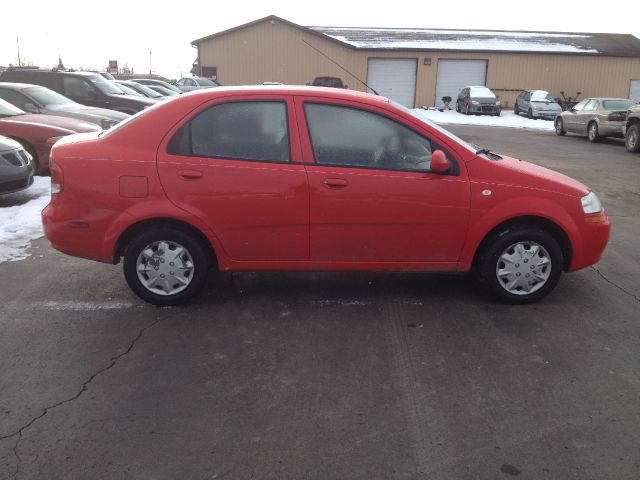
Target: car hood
547, 105
511, 171
71, 124
100, 113
485, 99
134, 99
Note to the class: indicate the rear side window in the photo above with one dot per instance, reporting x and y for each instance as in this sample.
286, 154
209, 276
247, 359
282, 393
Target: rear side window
255, 131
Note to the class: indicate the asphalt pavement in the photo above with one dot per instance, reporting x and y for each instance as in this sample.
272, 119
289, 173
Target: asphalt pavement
331, 375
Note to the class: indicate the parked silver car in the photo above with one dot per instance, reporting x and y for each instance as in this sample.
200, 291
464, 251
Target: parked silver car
16, 166
37, 99
479, 100
537, 104
595, 118
195, 83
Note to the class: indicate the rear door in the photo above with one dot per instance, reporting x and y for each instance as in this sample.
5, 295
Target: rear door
235, 164
373, 198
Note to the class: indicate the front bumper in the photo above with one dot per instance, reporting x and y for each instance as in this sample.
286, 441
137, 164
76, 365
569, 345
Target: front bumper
485, 109
593, 238
546, 115
16, 182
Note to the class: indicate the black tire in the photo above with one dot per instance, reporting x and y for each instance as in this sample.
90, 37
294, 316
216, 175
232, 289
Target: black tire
516, 110
559, 124
458, 107
632, 138
530, 114
194, 248
498, 243
592, 132
467, 111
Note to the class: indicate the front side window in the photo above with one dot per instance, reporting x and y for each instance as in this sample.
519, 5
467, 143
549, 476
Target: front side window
255, 131
14, 98
579, 106
76, 87
349, 137
591, 106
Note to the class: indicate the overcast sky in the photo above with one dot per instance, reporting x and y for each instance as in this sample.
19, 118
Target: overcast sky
89, 34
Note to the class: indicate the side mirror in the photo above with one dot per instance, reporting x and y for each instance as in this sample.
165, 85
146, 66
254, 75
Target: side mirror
439, 162
31, 108
346, 86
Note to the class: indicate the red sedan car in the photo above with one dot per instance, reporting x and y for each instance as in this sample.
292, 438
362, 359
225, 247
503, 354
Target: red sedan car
305, 178
37, 133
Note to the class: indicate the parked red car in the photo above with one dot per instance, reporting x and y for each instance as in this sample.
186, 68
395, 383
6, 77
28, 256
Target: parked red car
304, 178
37, 133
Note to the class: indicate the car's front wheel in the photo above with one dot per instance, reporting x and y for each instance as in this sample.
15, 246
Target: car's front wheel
520, 264
560, 127
165, 266
592, 132
632, 138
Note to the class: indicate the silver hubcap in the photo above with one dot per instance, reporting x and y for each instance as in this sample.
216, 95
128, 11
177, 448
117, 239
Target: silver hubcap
592, 131
558, 126
633, 138
523, 268
165, 268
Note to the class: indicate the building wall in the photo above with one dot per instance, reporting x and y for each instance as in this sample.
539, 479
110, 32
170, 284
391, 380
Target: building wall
275, 51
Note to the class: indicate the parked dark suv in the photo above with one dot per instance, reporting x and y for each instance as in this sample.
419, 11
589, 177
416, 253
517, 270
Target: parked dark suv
87, 88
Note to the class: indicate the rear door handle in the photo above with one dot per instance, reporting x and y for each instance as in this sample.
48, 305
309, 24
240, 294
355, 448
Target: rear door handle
335, 183
190, 174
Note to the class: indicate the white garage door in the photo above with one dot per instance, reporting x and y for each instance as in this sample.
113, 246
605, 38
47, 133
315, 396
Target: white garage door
454, 75
394, 78
634, 91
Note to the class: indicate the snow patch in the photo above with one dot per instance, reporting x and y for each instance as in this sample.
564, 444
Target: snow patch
83, 306
506, 119
20, 219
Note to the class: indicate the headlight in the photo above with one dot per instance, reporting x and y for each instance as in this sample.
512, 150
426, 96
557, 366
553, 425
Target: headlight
475, 102
107, 124
52, 140
591, 203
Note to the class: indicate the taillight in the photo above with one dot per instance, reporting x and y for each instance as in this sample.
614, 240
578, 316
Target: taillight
617, 116
57, 178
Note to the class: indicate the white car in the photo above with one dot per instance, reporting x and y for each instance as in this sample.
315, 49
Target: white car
195, 83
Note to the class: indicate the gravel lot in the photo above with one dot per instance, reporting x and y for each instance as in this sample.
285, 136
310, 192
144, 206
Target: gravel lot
332, 376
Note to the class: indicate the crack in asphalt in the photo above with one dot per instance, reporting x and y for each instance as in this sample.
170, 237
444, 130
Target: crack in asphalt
112, 362
611, 282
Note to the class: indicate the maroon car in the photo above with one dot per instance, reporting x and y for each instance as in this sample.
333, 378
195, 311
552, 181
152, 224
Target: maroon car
37, 133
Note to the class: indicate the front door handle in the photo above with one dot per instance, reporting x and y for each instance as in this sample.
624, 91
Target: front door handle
335, 183
190, 174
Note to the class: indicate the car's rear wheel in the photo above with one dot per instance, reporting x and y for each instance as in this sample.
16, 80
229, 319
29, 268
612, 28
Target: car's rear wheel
560, 127
520, 264
165, 266
632, 138
592, 132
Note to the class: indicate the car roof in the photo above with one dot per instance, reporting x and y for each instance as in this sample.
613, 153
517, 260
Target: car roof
19, 86
609, 98
293, 90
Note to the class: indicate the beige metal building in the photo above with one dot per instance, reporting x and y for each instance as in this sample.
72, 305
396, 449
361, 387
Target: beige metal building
417, 67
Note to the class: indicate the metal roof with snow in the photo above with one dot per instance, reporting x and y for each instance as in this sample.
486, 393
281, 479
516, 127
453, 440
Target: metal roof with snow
609, 44
425, 39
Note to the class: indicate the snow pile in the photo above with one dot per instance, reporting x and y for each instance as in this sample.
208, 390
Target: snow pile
20, 219
506, 119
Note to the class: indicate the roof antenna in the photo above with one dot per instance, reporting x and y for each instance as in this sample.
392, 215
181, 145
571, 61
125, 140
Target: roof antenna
333, 61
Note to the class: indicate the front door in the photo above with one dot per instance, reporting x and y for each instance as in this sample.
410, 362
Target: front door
571, 119
232, 165
373, 198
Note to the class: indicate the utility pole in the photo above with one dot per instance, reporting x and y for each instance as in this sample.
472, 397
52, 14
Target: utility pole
18, 44
149, 64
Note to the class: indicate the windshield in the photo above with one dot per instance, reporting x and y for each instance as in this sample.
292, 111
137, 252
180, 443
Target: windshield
206, 82
328, 82
8, 110
617, 104
481, 92
164, 91
128, 90
47, 97
542, 96
104, 86
144, 90
416, 114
